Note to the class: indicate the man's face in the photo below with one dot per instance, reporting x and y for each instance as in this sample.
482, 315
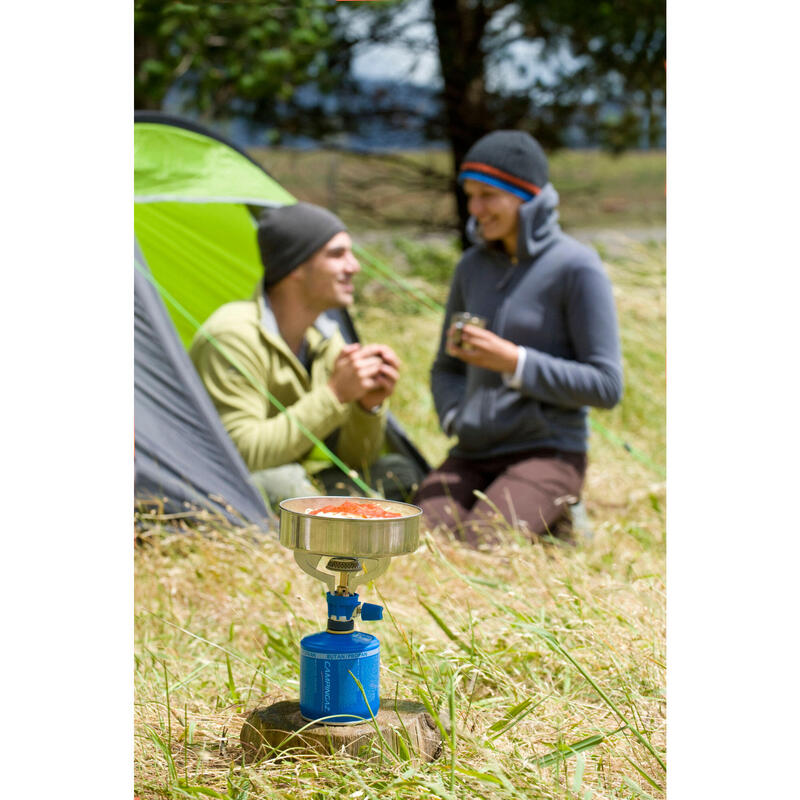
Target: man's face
494, 209
327, 276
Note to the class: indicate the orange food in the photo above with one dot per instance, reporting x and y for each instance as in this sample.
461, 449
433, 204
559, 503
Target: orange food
357, 510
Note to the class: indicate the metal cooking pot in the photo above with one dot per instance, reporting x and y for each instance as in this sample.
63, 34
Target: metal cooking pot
354, 538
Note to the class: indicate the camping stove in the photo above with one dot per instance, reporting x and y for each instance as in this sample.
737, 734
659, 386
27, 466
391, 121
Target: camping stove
339, 667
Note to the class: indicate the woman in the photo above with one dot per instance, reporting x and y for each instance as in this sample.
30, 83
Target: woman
516, 391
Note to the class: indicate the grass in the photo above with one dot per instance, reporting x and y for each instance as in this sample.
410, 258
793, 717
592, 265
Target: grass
548, 660
573, 638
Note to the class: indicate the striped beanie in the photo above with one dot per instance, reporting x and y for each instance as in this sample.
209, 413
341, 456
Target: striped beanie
510, 160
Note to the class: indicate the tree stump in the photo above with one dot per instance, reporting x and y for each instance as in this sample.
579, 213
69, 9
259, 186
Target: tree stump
402, 726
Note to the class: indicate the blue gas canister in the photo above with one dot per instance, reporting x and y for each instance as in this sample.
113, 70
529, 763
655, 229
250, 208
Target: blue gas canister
326, 687
328, 690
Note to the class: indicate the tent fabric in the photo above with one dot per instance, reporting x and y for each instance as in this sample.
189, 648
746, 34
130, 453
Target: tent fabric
202, 254
208, 170
194, 226
183, 453
191, 216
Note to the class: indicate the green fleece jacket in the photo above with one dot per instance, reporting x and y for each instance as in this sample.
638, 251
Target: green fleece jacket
247, 334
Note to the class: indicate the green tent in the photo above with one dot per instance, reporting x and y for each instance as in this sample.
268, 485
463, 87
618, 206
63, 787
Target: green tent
192, 215
197, 199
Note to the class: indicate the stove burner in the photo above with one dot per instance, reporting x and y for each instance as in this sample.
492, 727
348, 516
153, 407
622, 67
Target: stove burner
343, 565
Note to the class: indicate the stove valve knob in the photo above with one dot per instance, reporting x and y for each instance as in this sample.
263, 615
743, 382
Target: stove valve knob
371, 611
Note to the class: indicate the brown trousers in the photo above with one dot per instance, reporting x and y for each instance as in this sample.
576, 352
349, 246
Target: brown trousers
530, 490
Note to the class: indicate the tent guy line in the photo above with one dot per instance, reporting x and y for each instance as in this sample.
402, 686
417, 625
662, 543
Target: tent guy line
638, 455
376, 267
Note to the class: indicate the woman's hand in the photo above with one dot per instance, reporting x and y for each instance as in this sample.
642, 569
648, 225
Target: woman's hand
482, 348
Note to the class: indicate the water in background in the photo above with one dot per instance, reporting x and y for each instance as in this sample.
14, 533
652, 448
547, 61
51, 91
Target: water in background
404, 124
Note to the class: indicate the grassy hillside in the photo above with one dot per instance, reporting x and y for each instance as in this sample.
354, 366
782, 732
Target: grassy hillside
597, 190
548, 660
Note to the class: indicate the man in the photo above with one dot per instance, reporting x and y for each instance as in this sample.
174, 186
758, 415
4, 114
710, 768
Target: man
277, 347
516, 391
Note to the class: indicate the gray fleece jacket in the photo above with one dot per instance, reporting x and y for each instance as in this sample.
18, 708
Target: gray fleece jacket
556, 302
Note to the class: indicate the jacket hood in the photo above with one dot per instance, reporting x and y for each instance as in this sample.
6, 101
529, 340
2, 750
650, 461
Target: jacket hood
538, 224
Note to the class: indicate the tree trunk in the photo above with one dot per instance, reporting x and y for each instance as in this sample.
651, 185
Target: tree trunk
145, 47
459, 30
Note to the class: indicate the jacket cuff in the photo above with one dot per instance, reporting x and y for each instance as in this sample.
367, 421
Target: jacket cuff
447, 421
515, 381
374, 411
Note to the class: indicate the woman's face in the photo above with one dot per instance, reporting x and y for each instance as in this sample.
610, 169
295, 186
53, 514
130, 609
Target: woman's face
495, 210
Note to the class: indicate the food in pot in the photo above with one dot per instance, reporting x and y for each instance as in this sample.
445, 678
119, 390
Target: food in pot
349, 509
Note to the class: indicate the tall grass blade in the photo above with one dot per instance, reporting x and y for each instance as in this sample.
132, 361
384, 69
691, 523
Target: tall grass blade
235, 656
451, 702
526, 623
650, 780
191, 676
577, 778
194, 791
484, 777
374, 721
636, 788
432, 711
510, 714
556, 646
514, 716
565, 751
169, 710
454, 637
234, 693
162, 746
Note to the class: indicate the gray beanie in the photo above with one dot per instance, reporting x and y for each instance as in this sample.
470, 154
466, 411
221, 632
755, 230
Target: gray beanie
290, 235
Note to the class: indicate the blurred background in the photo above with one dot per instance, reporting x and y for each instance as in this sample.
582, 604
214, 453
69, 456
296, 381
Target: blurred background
409, 85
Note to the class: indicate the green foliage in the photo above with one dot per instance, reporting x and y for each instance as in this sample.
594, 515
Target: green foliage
588, 54
431, 261
243, 56
230, 57
623, 49
620, 133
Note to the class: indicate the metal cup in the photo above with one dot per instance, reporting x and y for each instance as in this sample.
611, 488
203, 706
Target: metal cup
462, 318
